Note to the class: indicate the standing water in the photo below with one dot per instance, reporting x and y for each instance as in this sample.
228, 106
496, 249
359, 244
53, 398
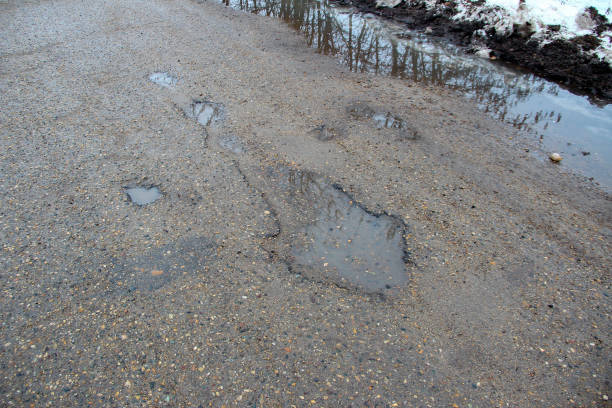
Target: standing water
579, 129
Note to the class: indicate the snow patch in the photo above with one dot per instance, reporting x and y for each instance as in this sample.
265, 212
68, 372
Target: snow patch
568, 18
387, 3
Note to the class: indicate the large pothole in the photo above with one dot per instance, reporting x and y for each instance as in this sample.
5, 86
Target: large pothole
328, 236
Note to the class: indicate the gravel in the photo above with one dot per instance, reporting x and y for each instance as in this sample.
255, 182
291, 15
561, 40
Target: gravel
193, 299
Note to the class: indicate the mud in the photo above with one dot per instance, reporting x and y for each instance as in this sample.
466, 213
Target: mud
327, 236
564, 62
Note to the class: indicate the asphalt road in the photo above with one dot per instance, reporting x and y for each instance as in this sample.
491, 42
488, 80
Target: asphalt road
299, 252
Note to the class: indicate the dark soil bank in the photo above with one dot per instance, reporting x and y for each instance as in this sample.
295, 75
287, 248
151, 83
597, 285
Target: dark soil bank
565, 62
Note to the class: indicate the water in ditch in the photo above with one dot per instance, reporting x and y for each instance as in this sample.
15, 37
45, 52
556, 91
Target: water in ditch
572, 125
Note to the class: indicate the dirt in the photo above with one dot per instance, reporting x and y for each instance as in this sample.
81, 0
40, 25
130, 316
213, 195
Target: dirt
215, 293
566, 62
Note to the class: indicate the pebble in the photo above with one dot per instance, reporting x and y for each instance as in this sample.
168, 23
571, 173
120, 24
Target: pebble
555, 157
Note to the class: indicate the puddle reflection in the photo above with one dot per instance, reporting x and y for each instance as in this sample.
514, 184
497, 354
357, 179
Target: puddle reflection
143, 195
206, 113
367, 44
163, 79
335, 238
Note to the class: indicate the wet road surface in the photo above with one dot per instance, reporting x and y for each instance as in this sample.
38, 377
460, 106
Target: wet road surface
297, 251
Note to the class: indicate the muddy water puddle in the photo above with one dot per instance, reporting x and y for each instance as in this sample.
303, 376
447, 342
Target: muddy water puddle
561, 121
348, 244
143, 195
388, 121
206, 113
326, 235
382, 120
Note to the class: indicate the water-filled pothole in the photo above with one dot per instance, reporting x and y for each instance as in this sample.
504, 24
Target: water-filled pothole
349, 244
141, 195
382, 120
326, 132
206, 113
163, 79
388, 121
328, 236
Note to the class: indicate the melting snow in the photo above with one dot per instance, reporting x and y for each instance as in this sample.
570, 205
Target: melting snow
570, 15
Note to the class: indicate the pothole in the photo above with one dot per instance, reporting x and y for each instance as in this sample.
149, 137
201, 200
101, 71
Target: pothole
349, 244
163, 79
388, 121
206, 113
327, 235
383, 120
325, 133
141, 195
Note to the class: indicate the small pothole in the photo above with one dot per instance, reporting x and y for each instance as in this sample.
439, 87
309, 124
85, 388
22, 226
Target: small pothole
325, 133
388, 121
140, 195
163, 79
383, 120
206, 113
